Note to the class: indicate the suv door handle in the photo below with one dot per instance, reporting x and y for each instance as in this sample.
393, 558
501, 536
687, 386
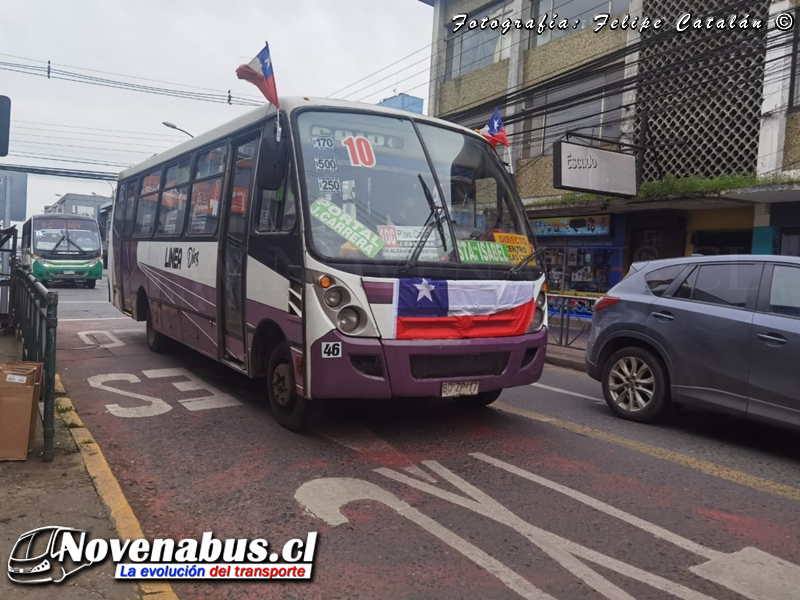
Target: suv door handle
772, 337
665, 316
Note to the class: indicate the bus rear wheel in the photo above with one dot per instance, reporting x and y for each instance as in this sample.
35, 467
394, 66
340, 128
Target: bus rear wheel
290, 410
156, 341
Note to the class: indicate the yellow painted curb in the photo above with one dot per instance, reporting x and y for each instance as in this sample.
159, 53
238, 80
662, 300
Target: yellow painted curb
109, 490
59, 387
709, 468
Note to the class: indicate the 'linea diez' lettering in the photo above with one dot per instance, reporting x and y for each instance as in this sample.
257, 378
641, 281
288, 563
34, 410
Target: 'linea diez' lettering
173, 257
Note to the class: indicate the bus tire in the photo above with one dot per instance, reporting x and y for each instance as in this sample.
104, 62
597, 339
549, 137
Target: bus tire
91, 284
479, 400
290, 410
156, 341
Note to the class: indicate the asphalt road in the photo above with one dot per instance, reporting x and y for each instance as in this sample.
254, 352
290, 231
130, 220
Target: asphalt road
542, 495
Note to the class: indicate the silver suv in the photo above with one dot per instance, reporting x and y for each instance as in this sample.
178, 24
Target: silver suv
712, 331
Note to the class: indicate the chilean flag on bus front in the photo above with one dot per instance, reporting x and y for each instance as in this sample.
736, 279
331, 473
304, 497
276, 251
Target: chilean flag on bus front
259, 72
437, 309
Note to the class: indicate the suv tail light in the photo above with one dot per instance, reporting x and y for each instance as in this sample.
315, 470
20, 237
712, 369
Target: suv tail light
604, 302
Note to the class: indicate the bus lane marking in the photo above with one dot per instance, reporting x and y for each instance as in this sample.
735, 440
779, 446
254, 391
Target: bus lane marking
114, 342
750, 572
157, 406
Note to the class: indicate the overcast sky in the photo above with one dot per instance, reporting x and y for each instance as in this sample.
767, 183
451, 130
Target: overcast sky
317, 48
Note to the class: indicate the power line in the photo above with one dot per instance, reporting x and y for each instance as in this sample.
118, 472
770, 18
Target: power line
68, 173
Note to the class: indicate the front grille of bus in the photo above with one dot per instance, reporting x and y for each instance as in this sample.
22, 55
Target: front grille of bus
434, 366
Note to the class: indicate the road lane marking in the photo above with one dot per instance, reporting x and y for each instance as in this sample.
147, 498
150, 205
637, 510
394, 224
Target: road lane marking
113, 342
83, 302
704, 466
650, 528
324, 499
568, 392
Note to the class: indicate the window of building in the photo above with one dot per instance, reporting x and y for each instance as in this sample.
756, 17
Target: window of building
784, 295
726, 284
580, 106
472, 49
572, 10
659, 280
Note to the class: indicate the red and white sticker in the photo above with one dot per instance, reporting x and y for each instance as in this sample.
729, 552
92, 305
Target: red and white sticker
360, 151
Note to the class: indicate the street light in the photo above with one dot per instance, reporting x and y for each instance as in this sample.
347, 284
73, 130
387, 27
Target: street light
173, 126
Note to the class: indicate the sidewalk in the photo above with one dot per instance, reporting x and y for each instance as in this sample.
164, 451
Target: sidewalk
37, 494
565, 356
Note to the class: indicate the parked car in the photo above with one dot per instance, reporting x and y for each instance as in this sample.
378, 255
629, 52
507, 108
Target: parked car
713, 331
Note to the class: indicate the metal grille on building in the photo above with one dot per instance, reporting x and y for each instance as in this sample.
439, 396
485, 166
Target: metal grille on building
703, 87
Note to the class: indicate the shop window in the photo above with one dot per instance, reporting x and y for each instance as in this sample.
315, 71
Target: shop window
658, 281
784, 295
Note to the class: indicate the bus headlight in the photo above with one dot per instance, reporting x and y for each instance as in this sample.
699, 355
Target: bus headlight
333, 297
347, 320
538, 313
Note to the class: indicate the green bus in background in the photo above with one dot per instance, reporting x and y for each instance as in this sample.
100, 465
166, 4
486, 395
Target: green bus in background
63, 248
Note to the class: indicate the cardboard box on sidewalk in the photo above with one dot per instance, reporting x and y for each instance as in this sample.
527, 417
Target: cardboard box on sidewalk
17, 401
37, 396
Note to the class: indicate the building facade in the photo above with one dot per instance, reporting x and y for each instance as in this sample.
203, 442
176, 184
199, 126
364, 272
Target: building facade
711, 114
78, 204
404, 102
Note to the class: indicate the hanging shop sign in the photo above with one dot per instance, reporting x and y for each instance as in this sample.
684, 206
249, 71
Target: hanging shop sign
592, 170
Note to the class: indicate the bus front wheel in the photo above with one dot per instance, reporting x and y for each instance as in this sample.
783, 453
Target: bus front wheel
291, 411
91, 284
482, 399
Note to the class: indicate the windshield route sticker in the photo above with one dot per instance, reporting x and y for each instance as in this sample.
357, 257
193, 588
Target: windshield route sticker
472, 251
360, 151
360, 236
401, 241
518, 245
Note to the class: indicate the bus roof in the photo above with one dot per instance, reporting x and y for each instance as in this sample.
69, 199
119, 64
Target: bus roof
288, 104
62, 216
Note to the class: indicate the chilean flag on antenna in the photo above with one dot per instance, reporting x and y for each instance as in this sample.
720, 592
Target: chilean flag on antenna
259, 72
495, 131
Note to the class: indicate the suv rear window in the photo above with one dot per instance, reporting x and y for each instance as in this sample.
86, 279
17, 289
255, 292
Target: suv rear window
659, 280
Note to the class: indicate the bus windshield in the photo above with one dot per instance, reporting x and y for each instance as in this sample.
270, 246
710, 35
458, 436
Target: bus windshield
371, 192
65, 236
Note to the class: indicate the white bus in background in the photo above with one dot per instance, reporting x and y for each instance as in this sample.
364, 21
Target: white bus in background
339, 250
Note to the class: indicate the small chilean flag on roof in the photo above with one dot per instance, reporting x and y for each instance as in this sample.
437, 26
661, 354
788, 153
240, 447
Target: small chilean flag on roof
259, 72
494, 130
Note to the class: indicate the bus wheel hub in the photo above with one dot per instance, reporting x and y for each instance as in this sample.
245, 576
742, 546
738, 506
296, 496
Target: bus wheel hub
280, 384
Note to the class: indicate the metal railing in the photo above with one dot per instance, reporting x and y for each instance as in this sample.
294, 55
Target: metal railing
36, 318
573, 314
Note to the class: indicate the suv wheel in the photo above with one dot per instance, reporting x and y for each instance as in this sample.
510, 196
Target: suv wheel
635, 385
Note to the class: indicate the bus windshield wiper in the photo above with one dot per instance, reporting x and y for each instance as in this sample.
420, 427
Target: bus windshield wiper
63, 237
434, 218
518, 267
74, 243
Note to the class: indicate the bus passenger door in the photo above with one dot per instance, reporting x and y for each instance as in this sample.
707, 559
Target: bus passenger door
233, 255
118, 220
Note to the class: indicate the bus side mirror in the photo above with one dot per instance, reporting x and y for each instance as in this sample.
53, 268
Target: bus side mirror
273, 158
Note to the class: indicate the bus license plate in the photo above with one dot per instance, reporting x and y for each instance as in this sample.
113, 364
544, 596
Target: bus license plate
68, 273
461, 388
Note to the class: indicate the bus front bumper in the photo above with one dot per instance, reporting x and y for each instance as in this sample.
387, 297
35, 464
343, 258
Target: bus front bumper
374, 368
73, 272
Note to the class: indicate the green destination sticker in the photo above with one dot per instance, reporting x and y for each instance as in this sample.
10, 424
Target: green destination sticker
359, 235
473, 251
